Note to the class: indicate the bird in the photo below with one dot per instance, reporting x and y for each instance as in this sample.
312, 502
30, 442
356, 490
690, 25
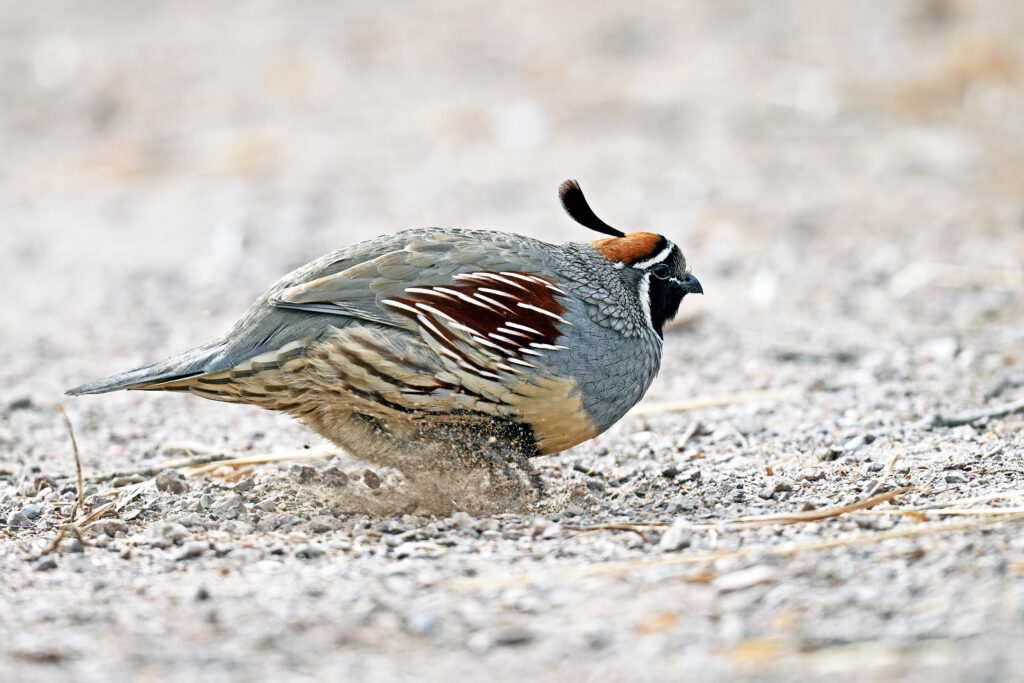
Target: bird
439, 347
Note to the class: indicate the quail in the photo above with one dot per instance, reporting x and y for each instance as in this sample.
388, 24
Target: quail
434, 345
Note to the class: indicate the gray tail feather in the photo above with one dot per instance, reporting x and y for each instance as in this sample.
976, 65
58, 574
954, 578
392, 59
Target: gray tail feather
192, 363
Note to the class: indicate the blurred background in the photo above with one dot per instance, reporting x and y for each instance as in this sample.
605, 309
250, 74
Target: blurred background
846, 179
860, 161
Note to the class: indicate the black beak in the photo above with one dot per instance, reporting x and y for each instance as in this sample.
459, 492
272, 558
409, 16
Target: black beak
691, 285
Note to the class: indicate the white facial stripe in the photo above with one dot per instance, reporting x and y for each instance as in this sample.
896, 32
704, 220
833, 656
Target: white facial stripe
645, 298
662, 256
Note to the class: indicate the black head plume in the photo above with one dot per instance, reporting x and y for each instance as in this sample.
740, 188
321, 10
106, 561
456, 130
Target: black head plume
576, 206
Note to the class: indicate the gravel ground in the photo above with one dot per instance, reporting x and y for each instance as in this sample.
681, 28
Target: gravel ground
847, 180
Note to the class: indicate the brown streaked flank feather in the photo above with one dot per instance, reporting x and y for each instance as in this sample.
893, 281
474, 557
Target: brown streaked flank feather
509, 316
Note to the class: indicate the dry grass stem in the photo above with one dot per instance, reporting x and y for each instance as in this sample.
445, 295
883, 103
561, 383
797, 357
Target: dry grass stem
80, 502
988, 498
280, 456
980, 512
661, 407
687, 435
96, 514
619, 568
176, 464
967, 418
815, 515
757, 520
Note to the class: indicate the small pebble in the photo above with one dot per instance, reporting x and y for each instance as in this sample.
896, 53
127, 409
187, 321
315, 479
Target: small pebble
231, 507
422, 624
680, 504
244, 484
874, 486
775, 486
191, 550
18, 519
111, 527
956, 477
857, 442
171, 481
642, 438
20, 404
45, 564
677, 536
335, 476
322, 523
125, 481
463, 520
747, 424
552, 531
31, 510
479, 643
512, 636
574, 510
310, 551
371, 479
304, 474
174, 531
598, 637
28, 487
538, 526
744, 578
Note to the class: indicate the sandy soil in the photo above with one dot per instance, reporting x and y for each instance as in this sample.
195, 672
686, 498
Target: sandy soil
847, 180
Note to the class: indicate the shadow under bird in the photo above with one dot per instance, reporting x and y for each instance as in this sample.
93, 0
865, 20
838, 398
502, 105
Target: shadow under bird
445, 345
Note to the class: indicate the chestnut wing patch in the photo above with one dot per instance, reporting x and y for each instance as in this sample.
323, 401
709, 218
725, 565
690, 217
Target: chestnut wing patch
485, 320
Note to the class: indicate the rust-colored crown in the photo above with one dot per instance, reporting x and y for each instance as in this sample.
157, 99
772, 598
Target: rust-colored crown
634, 247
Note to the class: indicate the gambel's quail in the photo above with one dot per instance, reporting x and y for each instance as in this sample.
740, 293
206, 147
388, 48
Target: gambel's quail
436, 344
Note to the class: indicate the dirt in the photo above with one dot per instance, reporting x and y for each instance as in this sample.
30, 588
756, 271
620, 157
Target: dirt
846, 179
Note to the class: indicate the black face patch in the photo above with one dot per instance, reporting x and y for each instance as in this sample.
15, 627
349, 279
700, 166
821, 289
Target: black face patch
665, 296
668, 282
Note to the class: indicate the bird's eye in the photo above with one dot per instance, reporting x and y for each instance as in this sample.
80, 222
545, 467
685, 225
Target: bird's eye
661, 271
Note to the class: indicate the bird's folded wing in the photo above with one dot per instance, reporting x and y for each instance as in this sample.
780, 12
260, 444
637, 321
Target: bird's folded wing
361, 290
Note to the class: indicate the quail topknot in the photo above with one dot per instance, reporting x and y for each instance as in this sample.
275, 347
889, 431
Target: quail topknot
436, 344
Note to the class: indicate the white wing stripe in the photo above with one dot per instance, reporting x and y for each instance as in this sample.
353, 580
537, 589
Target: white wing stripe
547, 313
517, 326
399, 304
